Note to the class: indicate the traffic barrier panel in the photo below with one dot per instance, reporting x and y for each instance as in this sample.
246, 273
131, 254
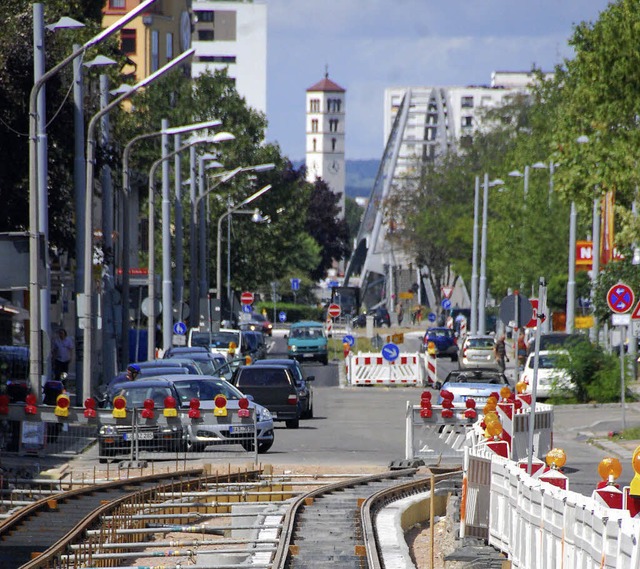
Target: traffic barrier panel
373, 369
431, 366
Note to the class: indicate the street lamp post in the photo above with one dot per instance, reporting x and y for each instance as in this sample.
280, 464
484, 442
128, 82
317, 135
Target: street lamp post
35, 340
482, 300
231, 210
474, 263
126, 189
88, 229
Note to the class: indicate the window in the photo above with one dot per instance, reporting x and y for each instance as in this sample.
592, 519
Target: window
333, 145
217, 59
314, 125
467, 121
467, 102
128, 42
169, 47
204, 15
314, 145
117, 4
155, 50
333, 125
205, 35
314, 105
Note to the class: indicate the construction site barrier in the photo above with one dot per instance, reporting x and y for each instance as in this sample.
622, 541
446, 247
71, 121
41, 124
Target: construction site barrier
139, 434
373, 369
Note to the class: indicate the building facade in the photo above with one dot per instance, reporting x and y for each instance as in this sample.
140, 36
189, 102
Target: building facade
325, 135
233, 36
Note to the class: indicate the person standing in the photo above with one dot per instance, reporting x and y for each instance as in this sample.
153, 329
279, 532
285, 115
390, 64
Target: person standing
61, 351
522, 348
500, 351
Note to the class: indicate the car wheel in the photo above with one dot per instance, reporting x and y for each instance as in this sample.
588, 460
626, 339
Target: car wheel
264, 446
324, 360
105, 454
292, 423
195, 447
454, 358
248, 446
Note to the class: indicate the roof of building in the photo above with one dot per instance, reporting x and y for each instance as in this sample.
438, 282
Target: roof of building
326, 85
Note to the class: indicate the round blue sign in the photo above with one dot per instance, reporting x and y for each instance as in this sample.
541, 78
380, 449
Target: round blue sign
247, 308
390, 352
432, 317
282, 316
180, 328
349, 339
446, 303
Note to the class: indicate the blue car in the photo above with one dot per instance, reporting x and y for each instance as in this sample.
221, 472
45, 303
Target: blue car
444, 340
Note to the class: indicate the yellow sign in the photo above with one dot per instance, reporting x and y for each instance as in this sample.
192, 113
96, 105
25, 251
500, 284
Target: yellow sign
583, 322
397, 338
406, 295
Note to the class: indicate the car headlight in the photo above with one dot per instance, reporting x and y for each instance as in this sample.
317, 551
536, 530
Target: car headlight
108, 430
293, 348
264, 414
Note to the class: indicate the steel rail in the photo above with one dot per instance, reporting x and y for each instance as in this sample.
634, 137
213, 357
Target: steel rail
154, 483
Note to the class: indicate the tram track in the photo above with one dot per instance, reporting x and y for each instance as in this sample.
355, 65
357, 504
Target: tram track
190, 518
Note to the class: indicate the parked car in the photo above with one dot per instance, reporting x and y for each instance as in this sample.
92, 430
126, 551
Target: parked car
477, 384
557, 340
146, 373
206, 389
217, 342
273, 388
478, 351
303, 384
117, 439
553, 379
307, 341
207, 361
444, 340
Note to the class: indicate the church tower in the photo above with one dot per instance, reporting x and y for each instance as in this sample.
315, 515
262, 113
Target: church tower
325, 136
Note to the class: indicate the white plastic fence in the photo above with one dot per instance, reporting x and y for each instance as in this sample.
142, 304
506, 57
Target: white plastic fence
540, 526
373, 369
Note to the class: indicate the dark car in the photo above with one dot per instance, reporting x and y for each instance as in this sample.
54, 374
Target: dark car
116, 439
303, 385
444, 340
206, 361
256, 347
381, 317
258, 322
272, 387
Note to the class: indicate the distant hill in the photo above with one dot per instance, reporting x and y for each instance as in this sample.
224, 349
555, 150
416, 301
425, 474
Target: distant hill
360, 176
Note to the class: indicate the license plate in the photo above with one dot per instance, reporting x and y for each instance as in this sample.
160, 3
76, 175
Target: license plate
240, 429
307, 355
146, 436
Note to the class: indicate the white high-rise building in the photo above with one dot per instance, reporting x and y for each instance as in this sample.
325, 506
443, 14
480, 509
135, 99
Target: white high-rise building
233, 35
325, 135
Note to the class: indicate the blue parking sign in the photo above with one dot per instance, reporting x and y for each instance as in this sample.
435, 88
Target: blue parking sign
295, 284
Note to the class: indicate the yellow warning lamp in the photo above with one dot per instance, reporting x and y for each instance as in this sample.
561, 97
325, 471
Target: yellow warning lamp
247, 360
232, 348
494, 429
609, 469
220, 408
634, 487
489, 408
62, 405
556, 458
170, 405
521, 387
119, 407
491, 417
505, 392
431, 348
492, 400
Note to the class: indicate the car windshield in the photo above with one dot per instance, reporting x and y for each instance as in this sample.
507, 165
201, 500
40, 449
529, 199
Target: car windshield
475, 377
308, 333
135, 395
205, 390
439, 333
262, 377
482, 343
215, 339
549, 361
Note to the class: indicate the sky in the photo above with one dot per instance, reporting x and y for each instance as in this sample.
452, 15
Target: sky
369, 45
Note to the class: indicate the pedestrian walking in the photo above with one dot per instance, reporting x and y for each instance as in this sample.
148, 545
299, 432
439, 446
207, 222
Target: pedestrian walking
522, 348
500, 352
400, 313
61, 349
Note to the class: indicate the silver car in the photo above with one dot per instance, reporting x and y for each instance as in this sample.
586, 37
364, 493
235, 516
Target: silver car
478, 351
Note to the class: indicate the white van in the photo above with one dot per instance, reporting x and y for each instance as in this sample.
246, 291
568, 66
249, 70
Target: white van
218, 342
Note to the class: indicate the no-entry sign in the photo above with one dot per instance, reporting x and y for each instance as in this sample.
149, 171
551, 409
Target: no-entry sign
246, 298
334, 310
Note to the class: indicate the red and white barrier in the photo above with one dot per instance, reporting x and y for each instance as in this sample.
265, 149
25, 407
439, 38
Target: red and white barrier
431, 365
373, 369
